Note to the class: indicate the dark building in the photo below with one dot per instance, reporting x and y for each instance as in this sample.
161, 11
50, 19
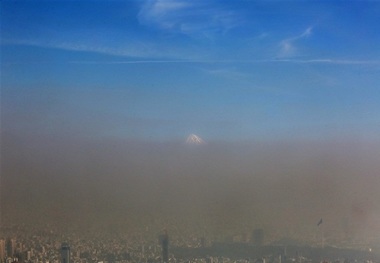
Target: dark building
2, 250
10, 247
164, 241
65, 253
258, 237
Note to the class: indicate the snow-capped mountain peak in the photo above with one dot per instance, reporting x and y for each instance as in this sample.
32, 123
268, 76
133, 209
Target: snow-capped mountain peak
194, 139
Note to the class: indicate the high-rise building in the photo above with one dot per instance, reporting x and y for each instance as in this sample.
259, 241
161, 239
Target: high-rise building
164, 241
28, 255
2, 250
258, 237
10, 245
65, 253
203, 242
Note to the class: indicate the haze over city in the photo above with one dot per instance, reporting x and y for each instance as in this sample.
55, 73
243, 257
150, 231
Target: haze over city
98, 99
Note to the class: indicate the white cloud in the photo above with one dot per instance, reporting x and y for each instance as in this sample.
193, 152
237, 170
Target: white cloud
306, 33
231, 73
131, 49
196, 19
161, 12
160, 7
150, 53
288, 46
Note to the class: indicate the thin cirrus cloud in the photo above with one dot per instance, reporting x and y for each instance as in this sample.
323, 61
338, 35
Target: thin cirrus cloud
145, 53
234, 73
159, 12
151, 52
288, 46
195, 19
140, 49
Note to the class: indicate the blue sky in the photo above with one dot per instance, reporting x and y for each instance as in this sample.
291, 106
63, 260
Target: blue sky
162, 69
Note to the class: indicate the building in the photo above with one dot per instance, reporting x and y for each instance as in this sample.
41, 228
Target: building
10, 247
2, 250
65, 253
164, 241
258, 237
28, 255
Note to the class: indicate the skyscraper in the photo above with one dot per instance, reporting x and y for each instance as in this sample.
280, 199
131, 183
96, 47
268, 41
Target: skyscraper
10, 247
258, 237
164, 241
2, 250
65, 253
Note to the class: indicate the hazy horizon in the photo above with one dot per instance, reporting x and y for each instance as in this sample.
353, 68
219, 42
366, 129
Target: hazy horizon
215, 189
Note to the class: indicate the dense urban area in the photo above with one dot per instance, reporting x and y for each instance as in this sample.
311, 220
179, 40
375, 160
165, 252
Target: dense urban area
49, 246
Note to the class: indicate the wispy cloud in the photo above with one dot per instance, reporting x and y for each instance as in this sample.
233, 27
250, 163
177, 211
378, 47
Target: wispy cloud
233, 73
132, 49
161, 12
144, 53
288, 46
196, 19
329, 61
137, 49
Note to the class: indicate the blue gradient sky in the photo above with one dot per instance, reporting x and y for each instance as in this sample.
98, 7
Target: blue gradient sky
162, 69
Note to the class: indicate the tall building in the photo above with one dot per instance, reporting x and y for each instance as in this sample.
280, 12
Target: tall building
65, 253
258, 237
10, 245
28, 255
2, 250
164, 241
